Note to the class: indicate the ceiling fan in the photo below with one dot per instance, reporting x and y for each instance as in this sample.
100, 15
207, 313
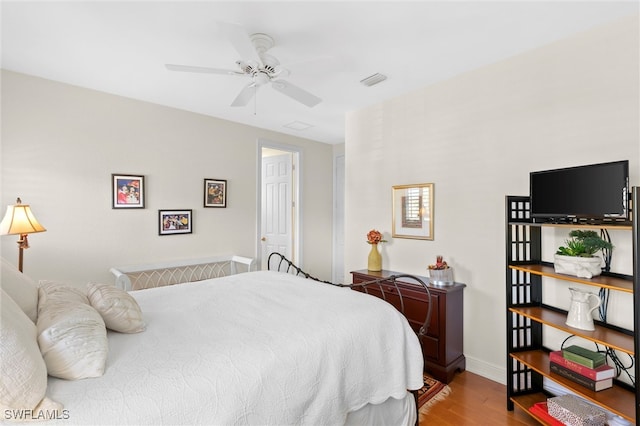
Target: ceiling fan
256, 64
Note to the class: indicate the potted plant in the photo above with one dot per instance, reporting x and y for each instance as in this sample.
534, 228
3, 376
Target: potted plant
440, 273
578, 256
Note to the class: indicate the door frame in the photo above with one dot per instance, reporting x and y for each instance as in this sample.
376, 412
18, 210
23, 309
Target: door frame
296, 198
337, 267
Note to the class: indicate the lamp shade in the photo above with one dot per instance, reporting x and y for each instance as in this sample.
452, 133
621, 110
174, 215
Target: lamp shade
19, 220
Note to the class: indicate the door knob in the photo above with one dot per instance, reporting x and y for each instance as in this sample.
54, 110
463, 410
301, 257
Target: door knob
263, 239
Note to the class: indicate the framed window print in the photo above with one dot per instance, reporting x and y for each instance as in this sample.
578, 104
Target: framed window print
215, 193
127, 191
175, 222
413, 211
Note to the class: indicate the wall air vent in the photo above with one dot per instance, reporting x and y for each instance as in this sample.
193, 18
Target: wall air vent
373, 79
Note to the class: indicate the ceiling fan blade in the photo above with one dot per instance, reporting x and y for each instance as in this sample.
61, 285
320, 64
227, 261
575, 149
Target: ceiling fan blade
240, 41
245, 95
204, 70
296, 93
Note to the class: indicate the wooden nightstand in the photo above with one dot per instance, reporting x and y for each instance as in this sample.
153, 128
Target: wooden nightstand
443, 344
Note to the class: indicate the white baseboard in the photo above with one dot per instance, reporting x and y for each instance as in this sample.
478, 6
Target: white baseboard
497, 373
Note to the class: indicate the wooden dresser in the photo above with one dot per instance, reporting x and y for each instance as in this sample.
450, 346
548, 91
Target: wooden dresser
443, 344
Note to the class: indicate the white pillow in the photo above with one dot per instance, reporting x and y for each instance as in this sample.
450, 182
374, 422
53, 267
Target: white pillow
55, 291
71, 334
119, 309
23, 381
21, 288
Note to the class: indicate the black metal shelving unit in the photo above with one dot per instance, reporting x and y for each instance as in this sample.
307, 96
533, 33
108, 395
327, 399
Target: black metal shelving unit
527, 356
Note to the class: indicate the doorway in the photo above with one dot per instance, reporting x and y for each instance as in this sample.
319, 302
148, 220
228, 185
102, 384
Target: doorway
279, 202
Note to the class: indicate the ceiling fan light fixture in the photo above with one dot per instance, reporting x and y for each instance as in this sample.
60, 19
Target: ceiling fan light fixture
373, 79
260, 78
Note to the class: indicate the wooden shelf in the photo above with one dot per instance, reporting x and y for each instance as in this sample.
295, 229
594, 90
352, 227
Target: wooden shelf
603, 281
601, 335
616, 399
526, 401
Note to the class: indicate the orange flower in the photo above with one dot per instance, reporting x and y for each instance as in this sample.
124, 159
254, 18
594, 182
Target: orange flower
374, 237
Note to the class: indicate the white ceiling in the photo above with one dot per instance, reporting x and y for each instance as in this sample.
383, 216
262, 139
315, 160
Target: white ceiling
329, 46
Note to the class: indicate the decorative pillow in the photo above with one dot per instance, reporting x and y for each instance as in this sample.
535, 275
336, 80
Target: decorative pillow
56, 291
119, 309
22, 289
71, 334
23, 381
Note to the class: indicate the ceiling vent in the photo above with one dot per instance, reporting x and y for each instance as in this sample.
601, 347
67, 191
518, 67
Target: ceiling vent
298, 125
373, 79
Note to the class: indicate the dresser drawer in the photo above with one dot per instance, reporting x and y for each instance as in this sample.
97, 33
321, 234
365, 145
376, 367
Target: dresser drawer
430, 348
415, 305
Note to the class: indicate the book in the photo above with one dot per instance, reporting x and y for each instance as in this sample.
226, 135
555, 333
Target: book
580, 379
584, 356
600, 373
541, 411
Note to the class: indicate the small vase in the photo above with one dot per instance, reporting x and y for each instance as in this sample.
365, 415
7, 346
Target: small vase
375, 259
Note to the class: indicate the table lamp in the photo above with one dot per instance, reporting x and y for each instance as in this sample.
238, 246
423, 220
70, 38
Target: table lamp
19, 220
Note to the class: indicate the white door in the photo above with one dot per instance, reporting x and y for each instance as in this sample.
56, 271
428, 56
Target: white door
277, 206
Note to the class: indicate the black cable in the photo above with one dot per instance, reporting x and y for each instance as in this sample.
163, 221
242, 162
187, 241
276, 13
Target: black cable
604, 297
619, 366
606, 252
613, 356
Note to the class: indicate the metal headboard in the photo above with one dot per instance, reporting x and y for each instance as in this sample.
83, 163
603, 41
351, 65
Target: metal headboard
278, 262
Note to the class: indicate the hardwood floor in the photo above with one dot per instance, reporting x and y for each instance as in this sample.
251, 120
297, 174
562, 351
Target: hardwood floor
474, 400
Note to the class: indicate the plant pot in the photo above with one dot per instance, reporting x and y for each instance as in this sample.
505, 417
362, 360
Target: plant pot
583, 267
443, 277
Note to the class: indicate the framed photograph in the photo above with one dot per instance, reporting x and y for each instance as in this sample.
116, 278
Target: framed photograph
413, 211
175, 222
215, 193
127, 191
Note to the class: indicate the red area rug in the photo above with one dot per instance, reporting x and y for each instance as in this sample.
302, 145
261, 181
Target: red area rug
432, 392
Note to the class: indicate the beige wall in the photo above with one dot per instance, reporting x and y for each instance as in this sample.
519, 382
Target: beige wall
477, 137
60, 145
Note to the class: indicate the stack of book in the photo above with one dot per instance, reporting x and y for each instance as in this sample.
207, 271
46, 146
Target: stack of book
541, 410
582, 366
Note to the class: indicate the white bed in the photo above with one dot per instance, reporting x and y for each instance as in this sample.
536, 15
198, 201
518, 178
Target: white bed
253, 348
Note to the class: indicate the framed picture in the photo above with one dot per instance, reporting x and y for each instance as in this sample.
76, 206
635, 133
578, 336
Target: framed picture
127, 191
215, 193
175, 222
413, 211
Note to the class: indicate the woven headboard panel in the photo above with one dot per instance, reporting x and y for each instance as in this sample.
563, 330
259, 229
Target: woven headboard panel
177, 272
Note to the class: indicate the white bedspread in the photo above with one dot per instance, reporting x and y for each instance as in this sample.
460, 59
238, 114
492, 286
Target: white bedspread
254, 348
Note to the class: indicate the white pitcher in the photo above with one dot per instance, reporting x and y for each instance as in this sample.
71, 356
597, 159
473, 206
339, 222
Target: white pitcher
580, 312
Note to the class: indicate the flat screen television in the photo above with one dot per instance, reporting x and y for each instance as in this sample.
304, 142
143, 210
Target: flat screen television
594, 191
